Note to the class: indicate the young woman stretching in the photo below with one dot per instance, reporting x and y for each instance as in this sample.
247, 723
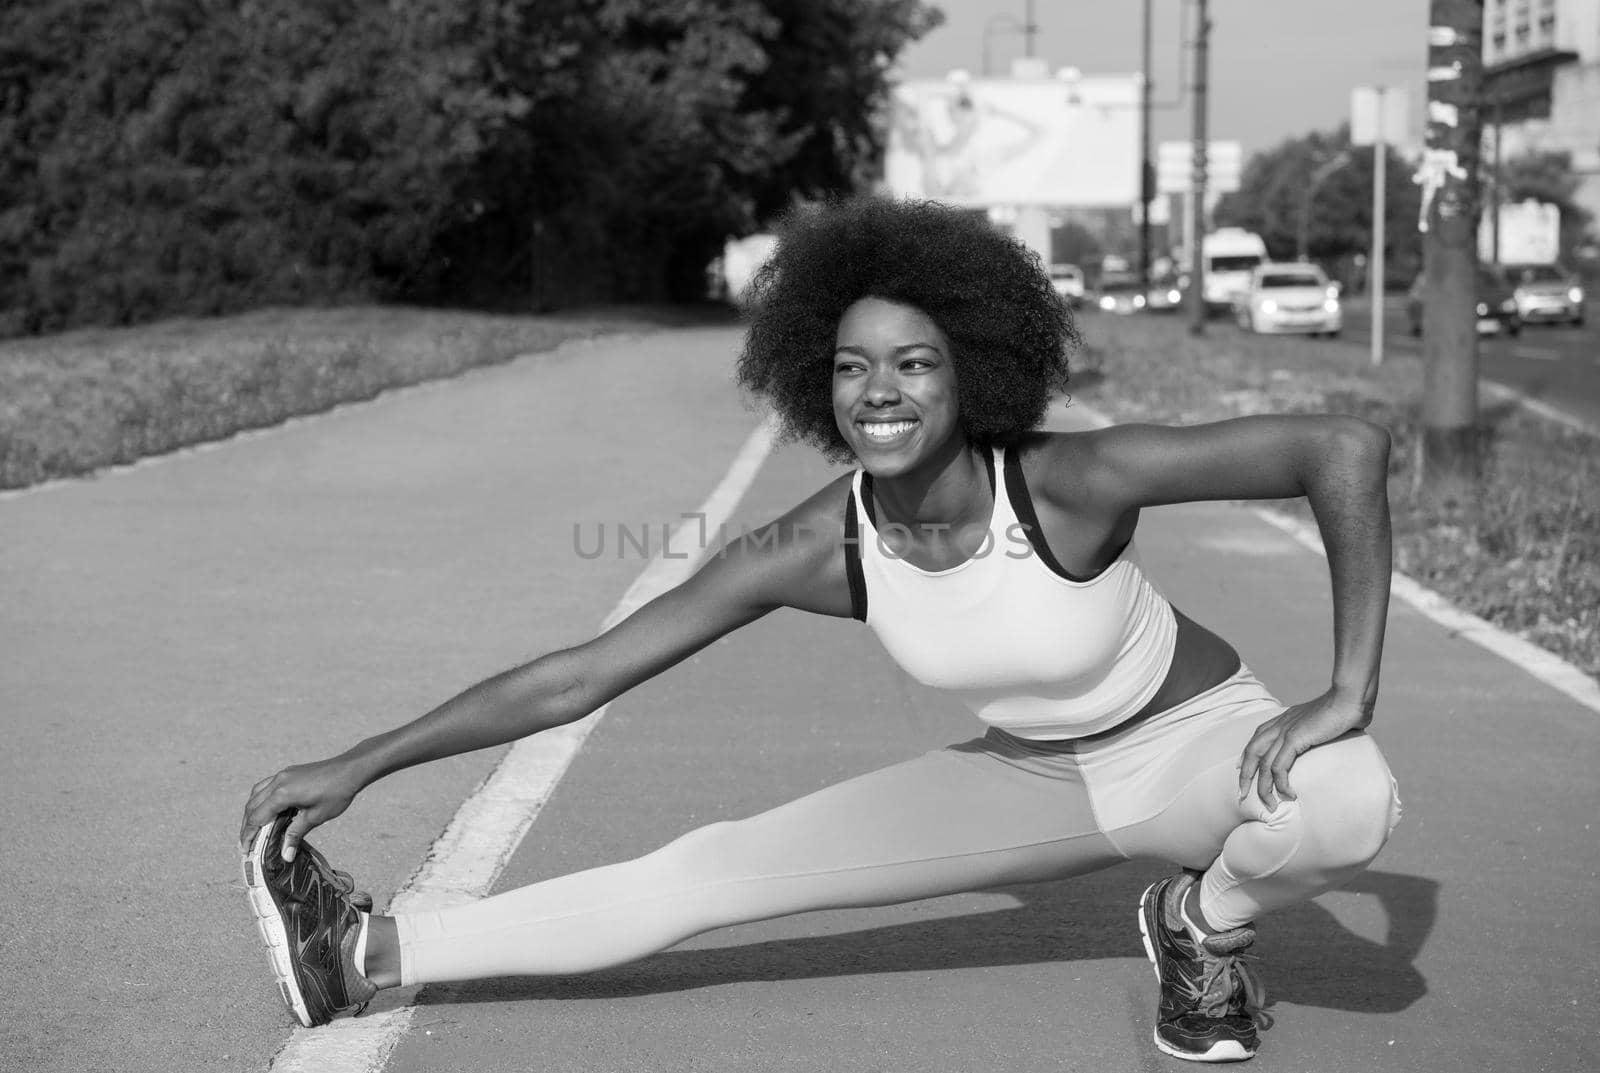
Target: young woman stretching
992, 561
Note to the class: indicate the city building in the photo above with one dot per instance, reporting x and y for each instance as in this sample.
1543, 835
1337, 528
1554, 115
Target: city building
1542, 83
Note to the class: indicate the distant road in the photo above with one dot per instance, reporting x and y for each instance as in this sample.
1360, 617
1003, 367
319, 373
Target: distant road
1557, 365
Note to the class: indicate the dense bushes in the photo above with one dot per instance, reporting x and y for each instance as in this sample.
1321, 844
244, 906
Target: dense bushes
196, 156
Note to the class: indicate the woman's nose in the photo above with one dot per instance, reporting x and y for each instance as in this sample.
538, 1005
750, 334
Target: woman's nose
883, 387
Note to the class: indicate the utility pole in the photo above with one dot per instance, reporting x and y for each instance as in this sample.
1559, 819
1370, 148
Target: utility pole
1197, 290
1449, 179
1375, 277
1029, 29
1145, 179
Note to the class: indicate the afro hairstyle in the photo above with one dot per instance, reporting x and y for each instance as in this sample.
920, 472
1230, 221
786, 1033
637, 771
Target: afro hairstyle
1010, 332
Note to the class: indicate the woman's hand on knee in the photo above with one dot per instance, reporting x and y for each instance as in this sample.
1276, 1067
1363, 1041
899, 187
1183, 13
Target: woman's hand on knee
316, 793
1281, 740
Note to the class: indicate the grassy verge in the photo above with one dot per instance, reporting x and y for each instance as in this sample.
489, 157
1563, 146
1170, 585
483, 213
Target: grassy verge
1524, 554
76, 402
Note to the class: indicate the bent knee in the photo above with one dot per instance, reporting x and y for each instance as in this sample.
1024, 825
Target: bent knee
1349, 794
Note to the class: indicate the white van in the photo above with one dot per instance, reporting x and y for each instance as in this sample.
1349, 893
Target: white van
1228, 256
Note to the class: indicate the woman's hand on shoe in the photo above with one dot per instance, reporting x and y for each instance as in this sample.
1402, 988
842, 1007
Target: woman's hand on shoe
1281, 740
315, 793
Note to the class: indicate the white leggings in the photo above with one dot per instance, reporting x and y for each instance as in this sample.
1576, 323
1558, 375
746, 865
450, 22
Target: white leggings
990, 812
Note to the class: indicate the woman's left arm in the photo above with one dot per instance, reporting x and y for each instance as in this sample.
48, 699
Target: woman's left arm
1340, 464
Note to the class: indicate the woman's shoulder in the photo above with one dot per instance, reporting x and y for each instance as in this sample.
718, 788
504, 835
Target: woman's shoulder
1062, 467
807, 536
1097, 470
799, 556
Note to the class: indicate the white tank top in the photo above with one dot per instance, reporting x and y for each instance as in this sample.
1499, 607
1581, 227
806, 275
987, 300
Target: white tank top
1031, 649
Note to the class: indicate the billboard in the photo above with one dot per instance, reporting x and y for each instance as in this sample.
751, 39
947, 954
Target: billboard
1042, 142
1530, 234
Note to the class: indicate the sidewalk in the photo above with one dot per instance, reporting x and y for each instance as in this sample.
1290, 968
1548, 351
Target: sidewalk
176, 631
1469, 945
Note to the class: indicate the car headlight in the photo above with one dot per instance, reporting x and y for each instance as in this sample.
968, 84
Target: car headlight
1508, 306
1268, 305
1107, 302
1138, 301
1575, 295
1175, 297
1331, 305
1483, 309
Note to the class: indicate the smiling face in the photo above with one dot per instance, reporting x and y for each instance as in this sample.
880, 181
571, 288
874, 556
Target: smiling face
894, 387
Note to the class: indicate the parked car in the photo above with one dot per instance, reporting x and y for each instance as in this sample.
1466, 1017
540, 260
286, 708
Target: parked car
1068, 282
1496, 305
1166, 293
1546, 292
1119, 292
1284, 297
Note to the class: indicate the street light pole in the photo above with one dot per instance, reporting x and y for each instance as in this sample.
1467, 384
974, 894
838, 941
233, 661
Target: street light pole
1318, 177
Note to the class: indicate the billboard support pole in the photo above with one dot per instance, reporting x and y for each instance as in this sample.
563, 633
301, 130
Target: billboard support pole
1197, 289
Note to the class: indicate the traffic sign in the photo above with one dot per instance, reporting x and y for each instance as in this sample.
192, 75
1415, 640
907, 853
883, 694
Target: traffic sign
1378, 113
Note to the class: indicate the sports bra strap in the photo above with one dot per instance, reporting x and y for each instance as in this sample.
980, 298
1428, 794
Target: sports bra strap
852, 560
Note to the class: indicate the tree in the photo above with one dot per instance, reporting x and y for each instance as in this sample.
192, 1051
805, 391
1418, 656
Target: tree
194, 156
1273, 189
188, 156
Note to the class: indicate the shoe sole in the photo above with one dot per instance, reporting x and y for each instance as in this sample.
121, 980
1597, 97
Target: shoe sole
1224, 1051
270, 924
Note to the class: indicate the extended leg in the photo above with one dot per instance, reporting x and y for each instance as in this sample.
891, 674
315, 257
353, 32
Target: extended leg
954, 820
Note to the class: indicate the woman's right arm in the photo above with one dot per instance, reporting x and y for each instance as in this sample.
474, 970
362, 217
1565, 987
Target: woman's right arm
796, 561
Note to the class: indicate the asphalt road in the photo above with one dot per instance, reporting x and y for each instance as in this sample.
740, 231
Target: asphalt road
1557, 365
177, 630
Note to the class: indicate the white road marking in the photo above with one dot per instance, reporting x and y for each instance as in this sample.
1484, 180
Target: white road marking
465, 859
1548, 667
1544, 410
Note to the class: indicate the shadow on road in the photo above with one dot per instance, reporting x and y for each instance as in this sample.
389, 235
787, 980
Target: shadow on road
1310, 958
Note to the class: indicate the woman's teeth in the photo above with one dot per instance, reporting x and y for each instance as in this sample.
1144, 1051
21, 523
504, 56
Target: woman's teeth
886, 430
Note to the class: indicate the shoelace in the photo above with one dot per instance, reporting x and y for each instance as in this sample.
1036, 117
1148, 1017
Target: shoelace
343, 882
1228, 984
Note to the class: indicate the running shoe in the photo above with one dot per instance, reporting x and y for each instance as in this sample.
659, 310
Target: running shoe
309, 917
1211, 1001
